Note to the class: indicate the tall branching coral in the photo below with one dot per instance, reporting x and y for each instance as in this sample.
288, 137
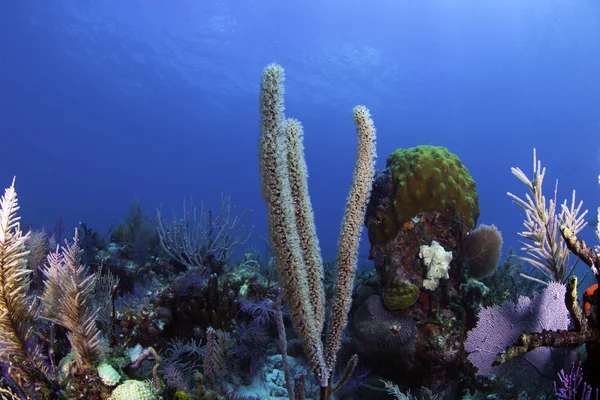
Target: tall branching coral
585, 327
293, 234
67, 300
17, 310
203, 239
545, 247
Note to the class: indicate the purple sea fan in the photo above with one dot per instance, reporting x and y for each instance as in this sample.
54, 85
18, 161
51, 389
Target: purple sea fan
499, 327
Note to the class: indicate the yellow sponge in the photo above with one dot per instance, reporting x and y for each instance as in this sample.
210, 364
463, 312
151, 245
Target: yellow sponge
133, 390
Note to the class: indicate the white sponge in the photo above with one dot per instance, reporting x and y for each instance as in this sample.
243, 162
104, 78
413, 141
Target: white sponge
437, 261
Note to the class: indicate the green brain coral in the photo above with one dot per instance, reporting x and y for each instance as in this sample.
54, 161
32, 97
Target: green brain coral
424, 179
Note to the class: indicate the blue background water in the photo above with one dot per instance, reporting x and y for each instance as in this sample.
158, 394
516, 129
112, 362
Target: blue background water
105, 101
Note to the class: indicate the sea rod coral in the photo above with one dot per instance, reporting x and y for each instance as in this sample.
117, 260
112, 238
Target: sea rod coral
291, 222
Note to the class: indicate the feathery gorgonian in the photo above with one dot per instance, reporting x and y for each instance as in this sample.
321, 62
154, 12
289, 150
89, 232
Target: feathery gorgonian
545, 247
68, 302
18, 311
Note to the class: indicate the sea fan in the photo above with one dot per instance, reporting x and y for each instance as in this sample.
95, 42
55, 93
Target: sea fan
500, 326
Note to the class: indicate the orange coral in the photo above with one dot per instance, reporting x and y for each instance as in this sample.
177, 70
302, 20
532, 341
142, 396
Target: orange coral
588, 297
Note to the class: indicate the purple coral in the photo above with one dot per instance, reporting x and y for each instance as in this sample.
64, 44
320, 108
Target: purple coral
569, 383
251, 344
356, 380
262, 311
499, 327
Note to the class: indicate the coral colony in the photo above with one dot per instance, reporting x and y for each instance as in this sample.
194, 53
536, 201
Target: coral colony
167, 309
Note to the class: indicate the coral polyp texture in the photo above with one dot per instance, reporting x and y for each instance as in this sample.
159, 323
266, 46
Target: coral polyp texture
423, 179
132, 390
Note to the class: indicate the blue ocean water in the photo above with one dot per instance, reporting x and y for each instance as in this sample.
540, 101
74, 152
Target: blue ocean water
106, 101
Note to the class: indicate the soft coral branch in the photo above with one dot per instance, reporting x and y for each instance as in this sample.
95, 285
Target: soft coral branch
67, 299
18, 347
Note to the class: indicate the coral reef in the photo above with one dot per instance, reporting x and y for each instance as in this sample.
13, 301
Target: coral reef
420, 219
164, 310
551, 239
436, 315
